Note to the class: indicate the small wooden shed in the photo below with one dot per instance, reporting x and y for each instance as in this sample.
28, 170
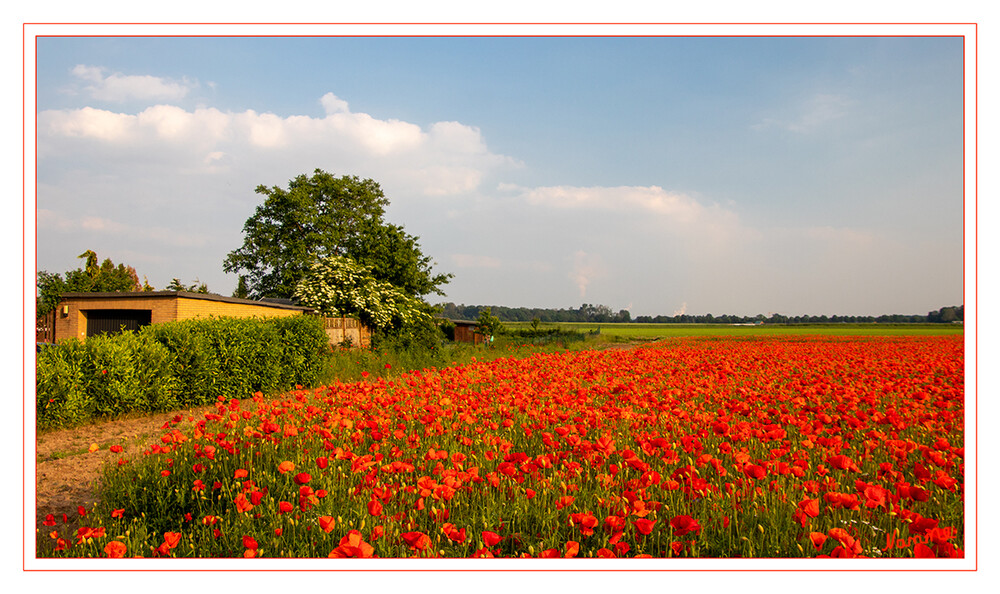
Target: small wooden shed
465, 331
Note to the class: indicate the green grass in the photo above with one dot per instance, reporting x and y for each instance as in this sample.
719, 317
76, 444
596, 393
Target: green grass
358, 364
656, 331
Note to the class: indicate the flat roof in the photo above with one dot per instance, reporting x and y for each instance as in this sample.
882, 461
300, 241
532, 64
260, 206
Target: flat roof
181, 294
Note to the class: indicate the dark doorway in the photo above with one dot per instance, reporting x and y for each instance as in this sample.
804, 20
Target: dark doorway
114, 321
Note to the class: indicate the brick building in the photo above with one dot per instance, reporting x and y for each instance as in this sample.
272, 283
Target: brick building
80, 315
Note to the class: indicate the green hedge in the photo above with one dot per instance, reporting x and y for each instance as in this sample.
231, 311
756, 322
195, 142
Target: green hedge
174, 365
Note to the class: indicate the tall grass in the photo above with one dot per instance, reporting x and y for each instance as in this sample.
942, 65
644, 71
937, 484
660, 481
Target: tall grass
349, 365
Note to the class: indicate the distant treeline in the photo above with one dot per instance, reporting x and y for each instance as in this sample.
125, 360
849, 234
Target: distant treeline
603, 314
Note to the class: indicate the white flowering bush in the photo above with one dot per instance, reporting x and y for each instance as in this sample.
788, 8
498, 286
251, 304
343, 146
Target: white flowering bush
339, 286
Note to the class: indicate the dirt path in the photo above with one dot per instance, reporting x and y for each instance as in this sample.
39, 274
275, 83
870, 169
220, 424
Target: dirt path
68, 473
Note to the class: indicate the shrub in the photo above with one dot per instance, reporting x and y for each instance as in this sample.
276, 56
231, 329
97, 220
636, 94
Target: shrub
61, 385
304, 346
177, 364
129, 372
196, 365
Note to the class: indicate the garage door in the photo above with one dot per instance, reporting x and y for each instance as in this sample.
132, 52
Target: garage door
114, 321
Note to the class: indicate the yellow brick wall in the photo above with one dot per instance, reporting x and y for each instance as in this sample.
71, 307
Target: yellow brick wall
165, 308
195, 308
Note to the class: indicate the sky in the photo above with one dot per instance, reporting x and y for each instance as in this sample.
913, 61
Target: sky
662, 175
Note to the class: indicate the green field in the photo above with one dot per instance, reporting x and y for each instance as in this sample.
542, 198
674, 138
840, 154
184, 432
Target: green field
655, 331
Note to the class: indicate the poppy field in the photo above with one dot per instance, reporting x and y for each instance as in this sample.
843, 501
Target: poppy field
764, 447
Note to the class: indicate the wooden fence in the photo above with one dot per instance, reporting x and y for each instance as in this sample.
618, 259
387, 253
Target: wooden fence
347, 332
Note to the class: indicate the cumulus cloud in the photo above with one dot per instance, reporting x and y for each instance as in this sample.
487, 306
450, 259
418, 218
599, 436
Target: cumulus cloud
448, 158
122, 87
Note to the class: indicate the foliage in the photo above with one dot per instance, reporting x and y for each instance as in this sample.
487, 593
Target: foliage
602, 314
633, 331
92, 278
304, 347
195, 287
61, 380
324, 216
129, 372
338, 286
185, 363
487, 324
241, 291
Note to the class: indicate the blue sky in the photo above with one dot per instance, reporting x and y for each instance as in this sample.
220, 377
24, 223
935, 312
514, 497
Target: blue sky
742, 175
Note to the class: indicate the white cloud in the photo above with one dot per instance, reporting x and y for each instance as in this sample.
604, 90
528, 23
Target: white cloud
333, 104
121, 87
650, 199
447, 159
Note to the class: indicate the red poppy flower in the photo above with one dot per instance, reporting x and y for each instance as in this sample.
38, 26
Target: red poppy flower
644, 526
352, 545
302, 478
841, 462
242, 505
417, 540
851, 546
684, 524
453, 533
322, 462
249, 542
809, 507
171, 539
50, 520
491, 538
115, 549
922, 551
754, 471
572, 548
918, 494
327, 523
374, 508
286, 466
817, 539
585, 521
240, 473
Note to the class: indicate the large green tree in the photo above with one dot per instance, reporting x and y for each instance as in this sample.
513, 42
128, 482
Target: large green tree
92, 278
323, 216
